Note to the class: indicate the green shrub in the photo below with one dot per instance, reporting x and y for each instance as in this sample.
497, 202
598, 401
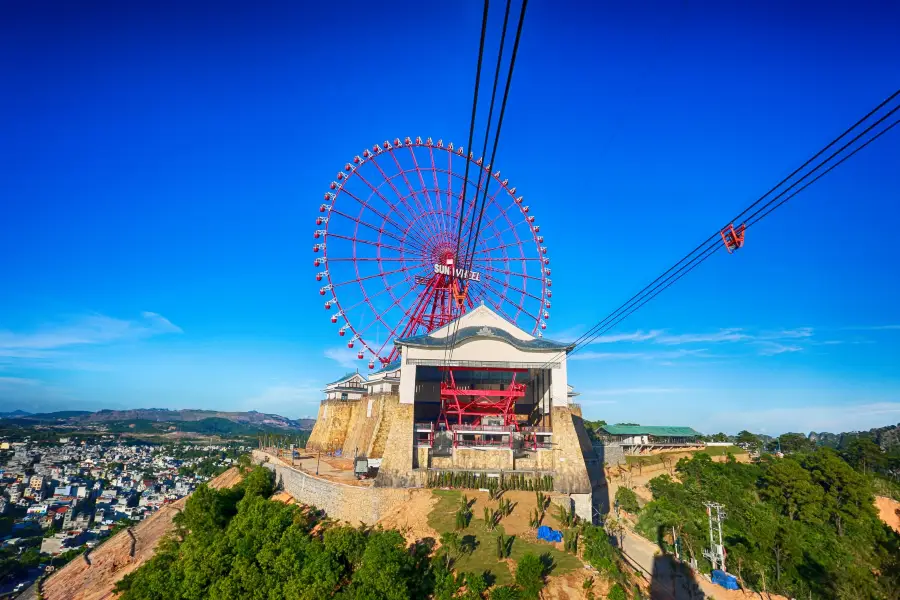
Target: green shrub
627, 500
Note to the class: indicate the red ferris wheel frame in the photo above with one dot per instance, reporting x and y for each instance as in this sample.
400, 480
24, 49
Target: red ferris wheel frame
410, 236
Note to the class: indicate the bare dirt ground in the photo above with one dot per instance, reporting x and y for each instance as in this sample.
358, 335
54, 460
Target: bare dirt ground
569, 586
411, 517
94, 577
888, 511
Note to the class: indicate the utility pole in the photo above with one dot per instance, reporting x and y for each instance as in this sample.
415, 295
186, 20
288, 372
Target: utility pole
716, 552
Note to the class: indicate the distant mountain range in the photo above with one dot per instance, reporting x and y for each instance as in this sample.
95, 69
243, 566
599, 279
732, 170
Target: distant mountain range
886, 437
14, 414
185, 419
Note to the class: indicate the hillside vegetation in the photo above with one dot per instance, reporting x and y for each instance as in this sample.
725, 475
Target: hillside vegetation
804, 526
239, 543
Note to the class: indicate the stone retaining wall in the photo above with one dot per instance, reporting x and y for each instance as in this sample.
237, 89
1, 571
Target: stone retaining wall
354, 504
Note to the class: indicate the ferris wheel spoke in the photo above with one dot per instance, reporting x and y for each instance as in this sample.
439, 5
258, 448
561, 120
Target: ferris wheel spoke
412, 191
512, 287
379, 315
416, 223
501, 259
371, 243
425, 189
502, 212
387, 259
365, 204
511, 273
484, 181
506, 299
367, 277
510, 245
496, 306
499, 232
380, 230
365, 299
437, 192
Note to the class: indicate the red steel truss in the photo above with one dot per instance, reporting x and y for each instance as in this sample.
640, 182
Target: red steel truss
473, 405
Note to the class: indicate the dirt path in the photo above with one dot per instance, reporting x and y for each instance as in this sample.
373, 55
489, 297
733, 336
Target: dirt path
889, 511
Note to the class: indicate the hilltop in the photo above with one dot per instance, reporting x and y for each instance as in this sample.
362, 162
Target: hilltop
204, 421
887, 437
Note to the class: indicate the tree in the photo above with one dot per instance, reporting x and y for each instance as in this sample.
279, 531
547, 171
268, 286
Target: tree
530, 576
346, 544
745, 437
847, 495
617, 592
789, 486
475, 586
450, 544
505, 592
627, 500
795, 442
387, 570
864, 455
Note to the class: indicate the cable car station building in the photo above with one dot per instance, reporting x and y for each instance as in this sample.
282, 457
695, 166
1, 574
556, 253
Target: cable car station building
477, 395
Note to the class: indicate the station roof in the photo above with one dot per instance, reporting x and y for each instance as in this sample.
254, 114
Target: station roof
389, 367
659, 430
484, 331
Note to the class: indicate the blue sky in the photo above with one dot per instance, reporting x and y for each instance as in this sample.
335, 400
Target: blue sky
162, 166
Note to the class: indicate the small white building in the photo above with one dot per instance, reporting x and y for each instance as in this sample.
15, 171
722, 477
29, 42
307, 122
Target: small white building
385, 380
349, 387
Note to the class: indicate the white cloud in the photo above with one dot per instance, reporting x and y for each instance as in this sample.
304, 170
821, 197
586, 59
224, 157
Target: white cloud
573, 333
722, 335
649, 355
160, 323
343, 356
774, 348
798, 332
635, 336
876, 328
88, 330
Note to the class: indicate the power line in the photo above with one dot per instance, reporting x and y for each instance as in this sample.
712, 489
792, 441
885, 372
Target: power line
715, 236
472, 241
693, 259
484, 22
487, 130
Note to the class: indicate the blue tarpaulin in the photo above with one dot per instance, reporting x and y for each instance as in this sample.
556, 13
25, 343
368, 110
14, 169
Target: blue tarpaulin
548, 534
726, 580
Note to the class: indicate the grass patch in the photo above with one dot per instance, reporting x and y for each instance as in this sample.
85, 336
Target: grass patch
722, 450
484, 558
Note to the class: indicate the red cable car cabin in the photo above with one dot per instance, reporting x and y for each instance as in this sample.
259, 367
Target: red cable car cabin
733, 237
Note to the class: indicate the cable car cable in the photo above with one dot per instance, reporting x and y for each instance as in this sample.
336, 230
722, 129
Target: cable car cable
706, 249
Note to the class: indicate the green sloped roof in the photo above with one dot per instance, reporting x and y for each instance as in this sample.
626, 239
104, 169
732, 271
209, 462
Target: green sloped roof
659, 430
349, 375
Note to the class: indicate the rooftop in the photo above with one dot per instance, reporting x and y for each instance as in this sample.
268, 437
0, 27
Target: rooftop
484, 331
346, 377
657, 430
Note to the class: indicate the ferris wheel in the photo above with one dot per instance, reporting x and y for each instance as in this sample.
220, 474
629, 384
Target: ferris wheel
392, 263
